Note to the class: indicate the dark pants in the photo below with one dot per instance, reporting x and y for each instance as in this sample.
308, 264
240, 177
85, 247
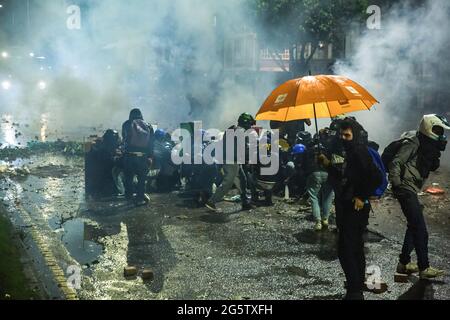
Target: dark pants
351, 225
416, 237
232, 172
135, 166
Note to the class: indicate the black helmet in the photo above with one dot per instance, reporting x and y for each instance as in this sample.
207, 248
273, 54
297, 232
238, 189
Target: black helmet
111, 139
246, 121
304, 137
136, 114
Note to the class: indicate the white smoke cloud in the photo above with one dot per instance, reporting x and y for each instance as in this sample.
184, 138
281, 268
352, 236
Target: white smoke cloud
144, 53
405, 66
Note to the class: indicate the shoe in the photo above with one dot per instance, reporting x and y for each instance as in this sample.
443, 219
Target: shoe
211, 206
410, 268
146, 198
318, 226
236, 198
325, 223
247, 206
431, 273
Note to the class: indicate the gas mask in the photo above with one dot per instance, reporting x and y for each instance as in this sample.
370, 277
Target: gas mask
442, 143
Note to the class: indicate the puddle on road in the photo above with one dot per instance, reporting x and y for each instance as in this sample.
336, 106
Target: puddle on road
78, 238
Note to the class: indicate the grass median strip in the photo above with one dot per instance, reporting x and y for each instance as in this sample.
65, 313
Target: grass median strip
13, 282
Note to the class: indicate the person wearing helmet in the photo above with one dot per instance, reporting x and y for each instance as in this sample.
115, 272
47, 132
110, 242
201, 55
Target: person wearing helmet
418, 155
291, 170
233, 170
160, 135
258, 181
246, 121
298, 149
305, 139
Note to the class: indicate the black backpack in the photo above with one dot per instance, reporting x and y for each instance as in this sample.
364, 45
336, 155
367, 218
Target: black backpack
391, 151
140, 134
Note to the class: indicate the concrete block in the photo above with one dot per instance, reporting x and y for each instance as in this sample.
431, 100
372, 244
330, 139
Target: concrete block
148, 275
130, 271
401, 278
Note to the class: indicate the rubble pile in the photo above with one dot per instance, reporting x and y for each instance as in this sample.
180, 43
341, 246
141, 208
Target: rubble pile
12, 171
70, 148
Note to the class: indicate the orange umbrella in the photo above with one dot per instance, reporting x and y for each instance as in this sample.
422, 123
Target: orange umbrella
321, 96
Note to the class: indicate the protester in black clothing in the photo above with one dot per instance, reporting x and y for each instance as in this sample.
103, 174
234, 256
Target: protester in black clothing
418, 155
138, 139
352, 204
100, 162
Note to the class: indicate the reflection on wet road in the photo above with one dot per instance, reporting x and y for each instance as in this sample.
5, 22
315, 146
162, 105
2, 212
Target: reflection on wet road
267, 253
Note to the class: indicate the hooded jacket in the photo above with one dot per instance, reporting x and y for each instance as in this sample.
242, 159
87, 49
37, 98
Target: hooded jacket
357, 167
404, 170
136, 114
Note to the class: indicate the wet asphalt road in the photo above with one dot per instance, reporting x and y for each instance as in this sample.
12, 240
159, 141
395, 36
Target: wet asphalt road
266, 253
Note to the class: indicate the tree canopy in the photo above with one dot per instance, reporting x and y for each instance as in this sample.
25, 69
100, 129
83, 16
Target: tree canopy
292, 23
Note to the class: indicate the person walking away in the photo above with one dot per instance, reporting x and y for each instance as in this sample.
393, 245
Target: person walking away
138, 139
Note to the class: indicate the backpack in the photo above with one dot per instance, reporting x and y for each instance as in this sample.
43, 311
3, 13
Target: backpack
140, 134
378, 178
391, 151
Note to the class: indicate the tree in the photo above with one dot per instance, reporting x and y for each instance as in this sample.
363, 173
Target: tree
294, 24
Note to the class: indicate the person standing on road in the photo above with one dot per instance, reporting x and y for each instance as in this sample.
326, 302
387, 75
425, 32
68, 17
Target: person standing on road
359, 178
418, 154
319, 189
138, 137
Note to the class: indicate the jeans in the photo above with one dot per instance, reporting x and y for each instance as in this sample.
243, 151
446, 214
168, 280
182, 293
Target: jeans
416, 236
351, 225
321, 194
231, 173
135, 166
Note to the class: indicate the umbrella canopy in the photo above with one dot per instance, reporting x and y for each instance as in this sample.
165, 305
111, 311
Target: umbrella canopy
321, 96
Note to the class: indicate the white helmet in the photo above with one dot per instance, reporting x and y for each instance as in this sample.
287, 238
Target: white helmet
431, 121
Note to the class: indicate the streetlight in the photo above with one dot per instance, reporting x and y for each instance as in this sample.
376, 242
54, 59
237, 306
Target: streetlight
6, 85
5, 54
42, 85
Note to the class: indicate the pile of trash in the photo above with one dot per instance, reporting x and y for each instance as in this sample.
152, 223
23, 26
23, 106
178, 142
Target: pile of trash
435, 189
12, 171
70, 148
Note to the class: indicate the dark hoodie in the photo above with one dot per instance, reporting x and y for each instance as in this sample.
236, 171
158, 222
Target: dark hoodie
135, 114
358, 166
413, 162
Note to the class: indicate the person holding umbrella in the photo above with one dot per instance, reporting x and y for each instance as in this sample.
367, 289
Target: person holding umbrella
327, 96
